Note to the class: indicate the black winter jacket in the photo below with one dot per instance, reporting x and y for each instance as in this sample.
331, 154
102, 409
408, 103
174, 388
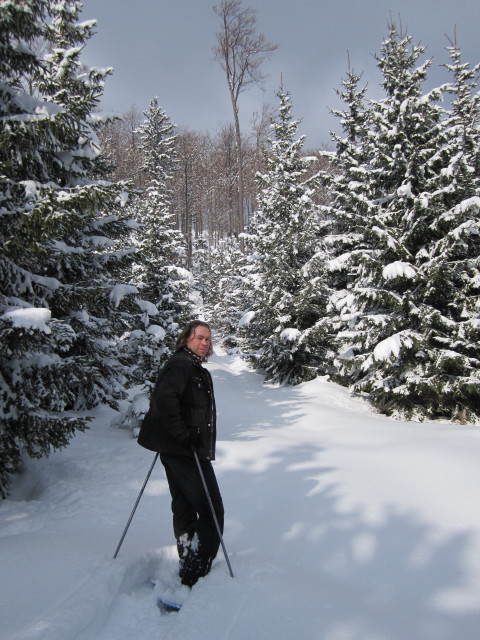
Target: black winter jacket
182, 407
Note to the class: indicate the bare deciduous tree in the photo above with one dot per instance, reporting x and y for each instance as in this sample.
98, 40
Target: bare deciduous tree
120, 144
240, 51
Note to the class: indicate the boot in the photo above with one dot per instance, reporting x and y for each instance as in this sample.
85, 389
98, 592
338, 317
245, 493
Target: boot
184, 542
196, 565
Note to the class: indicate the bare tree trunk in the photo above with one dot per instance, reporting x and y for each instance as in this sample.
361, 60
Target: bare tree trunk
238, 140
240, 52
188, 221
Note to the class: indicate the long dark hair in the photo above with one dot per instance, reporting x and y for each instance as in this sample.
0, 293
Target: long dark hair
187, 332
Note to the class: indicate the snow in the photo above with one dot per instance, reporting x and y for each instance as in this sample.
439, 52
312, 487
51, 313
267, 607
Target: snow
30, 318
119, 292
290, 335
140, 403
49, 283
122, 198
339, 263
405, 190
181, 273
34, 109
340, 525
157, 331
147, 306
466, 205
391, 346
31, 188
398, 269
246, 319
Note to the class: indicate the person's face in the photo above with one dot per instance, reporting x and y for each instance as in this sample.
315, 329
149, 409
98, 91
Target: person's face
199, 341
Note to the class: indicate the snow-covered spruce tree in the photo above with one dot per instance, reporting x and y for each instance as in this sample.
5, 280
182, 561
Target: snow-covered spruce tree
286, 303
446, 379
160, 277
91, 221
346, 180
49, 257
203, 277
389, 337
228, 264
394, 154
20, 346
217, 273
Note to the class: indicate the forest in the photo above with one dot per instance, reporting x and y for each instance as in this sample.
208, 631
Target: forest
359, 263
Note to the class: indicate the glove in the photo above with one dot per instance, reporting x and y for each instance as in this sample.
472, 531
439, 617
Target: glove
195, 438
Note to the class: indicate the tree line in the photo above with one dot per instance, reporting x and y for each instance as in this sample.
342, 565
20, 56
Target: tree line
379, 287
205, 191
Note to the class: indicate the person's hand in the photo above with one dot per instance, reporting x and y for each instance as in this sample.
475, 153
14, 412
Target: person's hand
195, 438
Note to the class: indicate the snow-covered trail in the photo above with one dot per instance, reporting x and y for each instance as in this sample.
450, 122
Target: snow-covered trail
340, 525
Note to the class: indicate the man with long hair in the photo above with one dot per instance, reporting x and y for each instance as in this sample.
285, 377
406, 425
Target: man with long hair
181, 420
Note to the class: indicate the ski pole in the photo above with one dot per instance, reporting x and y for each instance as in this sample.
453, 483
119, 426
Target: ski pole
213, 512
135, 507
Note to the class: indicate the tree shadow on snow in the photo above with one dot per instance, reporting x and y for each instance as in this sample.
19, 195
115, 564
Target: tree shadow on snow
392, 577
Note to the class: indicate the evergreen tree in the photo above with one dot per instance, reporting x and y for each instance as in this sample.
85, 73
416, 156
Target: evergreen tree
89, 231
446, 379
343, 218
160, 277
31, 403
55, 242
396, 313
285, 299
204, 279
227, 267
398, 145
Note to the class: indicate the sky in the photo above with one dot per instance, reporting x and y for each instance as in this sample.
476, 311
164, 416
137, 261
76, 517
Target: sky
163, 49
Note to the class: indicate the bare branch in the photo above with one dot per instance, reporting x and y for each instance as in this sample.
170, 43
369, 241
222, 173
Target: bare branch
240, 51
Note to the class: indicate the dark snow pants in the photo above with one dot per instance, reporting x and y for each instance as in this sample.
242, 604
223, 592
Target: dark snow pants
193, 523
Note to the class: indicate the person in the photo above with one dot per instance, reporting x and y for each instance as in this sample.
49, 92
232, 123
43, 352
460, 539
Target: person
182, 419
